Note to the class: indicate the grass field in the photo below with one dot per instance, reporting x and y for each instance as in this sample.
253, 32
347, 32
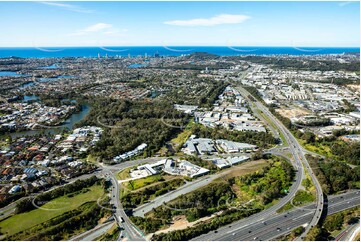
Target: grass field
56, 207
284, 142
301, 198
124, 174
142, 182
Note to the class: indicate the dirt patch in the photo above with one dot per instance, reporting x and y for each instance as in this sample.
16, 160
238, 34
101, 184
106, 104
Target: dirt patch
245, 168
353, 86
180, 222
294, 112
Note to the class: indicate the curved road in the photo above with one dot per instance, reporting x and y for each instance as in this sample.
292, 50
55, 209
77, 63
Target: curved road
298, 154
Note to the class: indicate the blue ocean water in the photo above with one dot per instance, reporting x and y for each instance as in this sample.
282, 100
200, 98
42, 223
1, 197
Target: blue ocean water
167, 51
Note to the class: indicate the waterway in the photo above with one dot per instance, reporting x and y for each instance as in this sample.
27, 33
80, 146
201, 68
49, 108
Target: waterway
11, 73
53, 66
68, 124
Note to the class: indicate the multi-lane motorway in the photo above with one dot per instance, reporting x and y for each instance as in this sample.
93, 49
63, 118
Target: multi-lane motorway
298, 154
276, 225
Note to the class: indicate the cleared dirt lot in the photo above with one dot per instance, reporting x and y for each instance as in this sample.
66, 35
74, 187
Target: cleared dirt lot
292, 112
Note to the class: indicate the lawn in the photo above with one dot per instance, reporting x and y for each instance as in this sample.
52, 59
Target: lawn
56, 207
138, 183
301, 199
124, 174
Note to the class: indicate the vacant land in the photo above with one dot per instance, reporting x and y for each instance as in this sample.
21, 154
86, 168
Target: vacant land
245, 168
293, 112
142, 182
48, 211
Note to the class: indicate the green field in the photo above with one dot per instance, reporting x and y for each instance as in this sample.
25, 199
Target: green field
58, 206
284, 142
301, 199
139, 183
124, 174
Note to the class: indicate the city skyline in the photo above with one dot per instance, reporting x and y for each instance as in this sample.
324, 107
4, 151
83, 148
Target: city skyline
72, 24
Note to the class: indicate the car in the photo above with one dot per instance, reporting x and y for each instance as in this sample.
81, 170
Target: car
233, 233
255, 238
278, 229
249, 231
230, 226
215, 231
264, 222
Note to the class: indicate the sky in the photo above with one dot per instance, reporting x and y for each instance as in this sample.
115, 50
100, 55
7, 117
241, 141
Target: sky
296, 24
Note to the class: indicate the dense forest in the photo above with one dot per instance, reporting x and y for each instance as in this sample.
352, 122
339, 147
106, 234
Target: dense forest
334, 176
127, 124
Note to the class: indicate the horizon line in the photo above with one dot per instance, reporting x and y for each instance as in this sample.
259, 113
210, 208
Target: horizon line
258, 46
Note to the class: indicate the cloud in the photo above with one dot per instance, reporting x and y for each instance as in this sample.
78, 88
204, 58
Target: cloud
344, 3
115, 31
102, 28
69, 7
216, 20
97, 27
94, 29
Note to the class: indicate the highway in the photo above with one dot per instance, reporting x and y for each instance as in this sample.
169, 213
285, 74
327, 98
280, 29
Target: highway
274, 226
93, 233
347, 233
298, 154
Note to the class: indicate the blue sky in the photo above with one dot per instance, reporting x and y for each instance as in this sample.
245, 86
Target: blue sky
36, 24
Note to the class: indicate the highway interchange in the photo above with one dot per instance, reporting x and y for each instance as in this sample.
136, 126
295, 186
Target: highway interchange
265, 225
298, 154
284, 223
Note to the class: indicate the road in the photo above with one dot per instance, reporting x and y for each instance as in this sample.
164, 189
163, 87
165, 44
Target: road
93, 233
130, 231
274, 226
298, 154
347, 233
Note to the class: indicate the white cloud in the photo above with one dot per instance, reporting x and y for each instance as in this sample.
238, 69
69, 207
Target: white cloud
115, 31
69, 7
344, 3
216, 20
94, 29
97, 27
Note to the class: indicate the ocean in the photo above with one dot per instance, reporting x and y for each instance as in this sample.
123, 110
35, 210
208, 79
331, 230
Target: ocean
54, 52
